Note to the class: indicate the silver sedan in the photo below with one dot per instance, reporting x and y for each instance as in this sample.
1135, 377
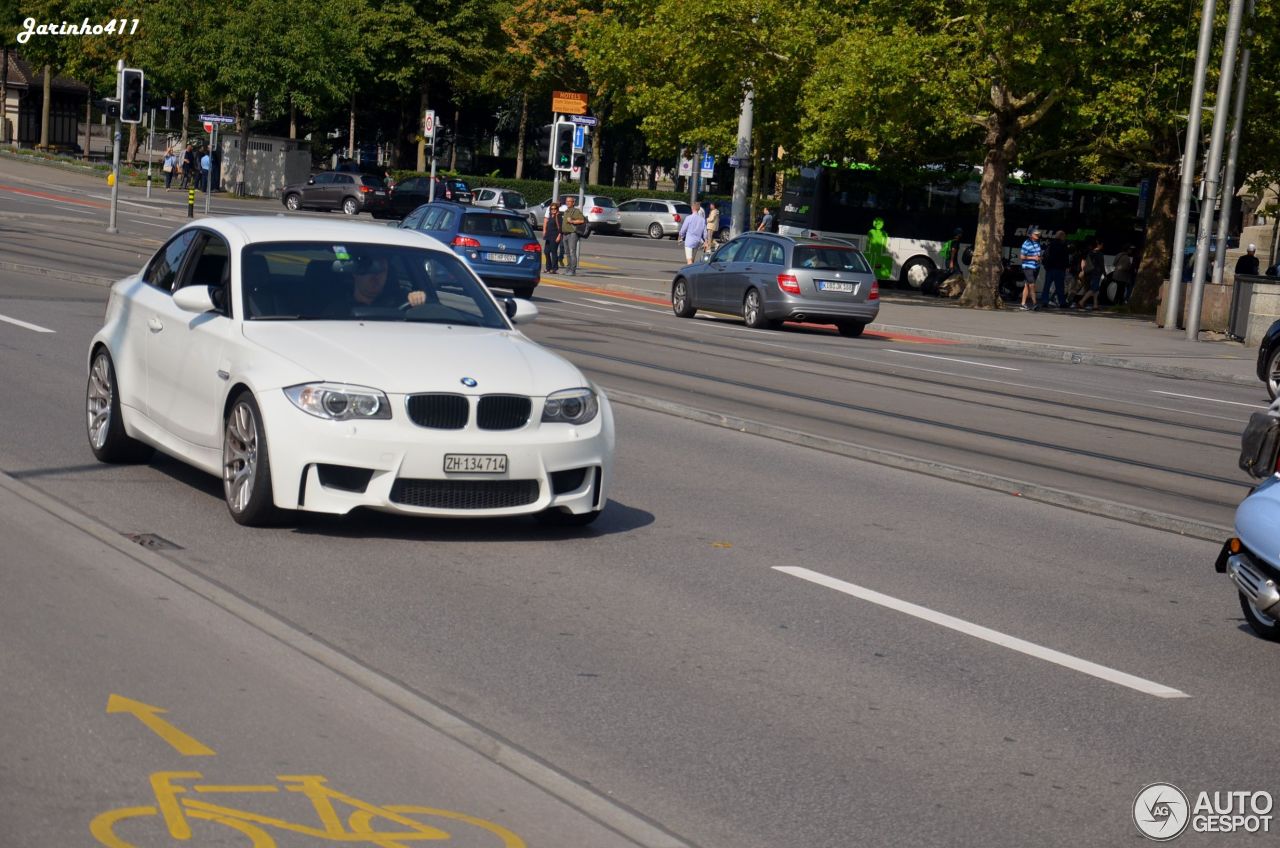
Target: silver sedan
768, 279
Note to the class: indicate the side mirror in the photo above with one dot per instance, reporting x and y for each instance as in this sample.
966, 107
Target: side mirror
311, 180
519, 310
196, 299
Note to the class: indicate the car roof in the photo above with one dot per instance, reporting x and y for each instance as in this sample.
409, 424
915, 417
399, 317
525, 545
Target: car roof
256, 229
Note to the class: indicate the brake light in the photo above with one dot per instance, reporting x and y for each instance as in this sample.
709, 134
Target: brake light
789, 283
676, 216
365, 189
533, 247
596, 210
875, 290
463, 241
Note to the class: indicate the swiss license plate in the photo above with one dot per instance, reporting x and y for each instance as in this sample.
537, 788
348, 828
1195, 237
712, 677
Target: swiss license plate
475, 463
832, 286
502, 257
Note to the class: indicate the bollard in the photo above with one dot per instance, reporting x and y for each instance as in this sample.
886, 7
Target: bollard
191, 203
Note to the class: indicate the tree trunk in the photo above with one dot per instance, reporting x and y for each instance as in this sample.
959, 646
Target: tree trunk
422, 139
653, 176
524, 125
186, 119
1153, 269
293, 120
131, 150
983, 290
44, 107
457, 138
244, 113
351, 131
593, 167
4, 94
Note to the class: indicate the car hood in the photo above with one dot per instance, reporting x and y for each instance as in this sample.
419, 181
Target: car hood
405, 358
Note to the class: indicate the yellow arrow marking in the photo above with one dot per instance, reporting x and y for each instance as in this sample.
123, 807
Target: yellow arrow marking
149, 715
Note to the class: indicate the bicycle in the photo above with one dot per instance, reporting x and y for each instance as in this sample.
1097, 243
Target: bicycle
175, 806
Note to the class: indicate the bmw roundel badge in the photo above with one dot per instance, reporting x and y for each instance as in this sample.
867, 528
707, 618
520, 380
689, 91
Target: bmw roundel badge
469, 382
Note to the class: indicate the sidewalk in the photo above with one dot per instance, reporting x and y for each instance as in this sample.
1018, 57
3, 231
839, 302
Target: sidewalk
1084, 338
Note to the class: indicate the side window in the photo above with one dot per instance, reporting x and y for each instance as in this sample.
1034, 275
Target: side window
164, 267
344, 179
776, 254
414, 221
756, 250
323, 179
433, 218
412, 185
629, 206
729, 253
210, 263
483, 194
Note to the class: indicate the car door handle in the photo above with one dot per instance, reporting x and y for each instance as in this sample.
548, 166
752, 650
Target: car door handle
155, 324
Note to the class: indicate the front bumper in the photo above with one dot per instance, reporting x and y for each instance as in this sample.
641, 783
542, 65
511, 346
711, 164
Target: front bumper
1255, 579
398, 466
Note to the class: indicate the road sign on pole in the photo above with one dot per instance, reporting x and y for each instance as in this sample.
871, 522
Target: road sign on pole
429, 124
708, 165
579, 139
585, 120
569, 102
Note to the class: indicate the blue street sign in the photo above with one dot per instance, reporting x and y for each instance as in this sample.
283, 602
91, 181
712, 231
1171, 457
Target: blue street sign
579, 138
585, 120
734, 161
218, 119
708, 162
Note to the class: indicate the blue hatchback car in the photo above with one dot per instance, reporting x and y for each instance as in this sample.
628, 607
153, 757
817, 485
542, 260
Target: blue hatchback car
500, 246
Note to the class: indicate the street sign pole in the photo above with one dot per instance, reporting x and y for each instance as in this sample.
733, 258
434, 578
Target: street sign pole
555, 179
115, 155
208, 177
151, 148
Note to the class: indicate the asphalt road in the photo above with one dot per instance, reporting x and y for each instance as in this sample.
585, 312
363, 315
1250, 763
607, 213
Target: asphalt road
759, 643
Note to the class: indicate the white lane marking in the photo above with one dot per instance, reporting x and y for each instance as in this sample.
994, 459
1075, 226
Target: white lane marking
628, 305
950, 359
1102, 672
1211, 400
161, 226
75, 209
585, 305
36, 327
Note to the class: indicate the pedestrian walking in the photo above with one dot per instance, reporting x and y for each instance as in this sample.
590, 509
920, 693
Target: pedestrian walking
572, 224
766, 221
188, 168
693, 235
1031, 252
1095, 265
713, 225
1123, 273
169, 166
551, 236
877, 252
1056, 259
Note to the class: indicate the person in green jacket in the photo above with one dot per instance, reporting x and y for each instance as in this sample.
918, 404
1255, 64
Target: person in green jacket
878, 250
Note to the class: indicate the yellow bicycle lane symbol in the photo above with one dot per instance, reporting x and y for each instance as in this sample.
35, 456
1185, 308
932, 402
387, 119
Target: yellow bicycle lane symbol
359, 822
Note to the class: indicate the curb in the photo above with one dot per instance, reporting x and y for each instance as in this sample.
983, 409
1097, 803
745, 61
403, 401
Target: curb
1018, 488
68, 276
589, 803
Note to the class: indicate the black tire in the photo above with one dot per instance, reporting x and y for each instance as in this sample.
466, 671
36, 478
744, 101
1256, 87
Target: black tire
246, 465
1110, 291
1263, 625
293, 202
1273, 372
107, 437
523, 292
350, 206
915, 272
681, 304
753, 311
559, 518
851, 329
655, 230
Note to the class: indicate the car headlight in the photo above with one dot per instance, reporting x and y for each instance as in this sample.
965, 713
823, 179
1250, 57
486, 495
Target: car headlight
571, 406
337, 402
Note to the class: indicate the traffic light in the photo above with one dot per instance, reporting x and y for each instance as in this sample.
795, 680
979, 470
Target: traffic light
562, 146
109, 106
579, 160
132, 96
544, 142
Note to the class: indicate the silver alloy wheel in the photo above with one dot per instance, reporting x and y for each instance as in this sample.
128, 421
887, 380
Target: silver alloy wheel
680, 298
293, 203
240, 457
349, 206
99, 401
752, 312
1273, 374
655, 230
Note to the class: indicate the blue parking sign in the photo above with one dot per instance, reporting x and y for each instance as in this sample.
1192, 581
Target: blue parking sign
579, 138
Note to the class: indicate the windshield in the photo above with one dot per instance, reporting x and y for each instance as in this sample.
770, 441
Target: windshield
684, 209
605, 202
300, 281
833, 258
503, 226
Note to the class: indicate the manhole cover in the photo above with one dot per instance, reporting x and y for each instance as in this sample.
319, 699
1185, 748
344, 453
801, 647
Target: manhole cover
152, 541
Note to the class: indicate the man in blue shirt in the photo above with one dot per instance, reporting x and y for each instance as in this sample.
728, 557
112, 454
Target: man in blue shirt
1031, 251
693, 233
204, 171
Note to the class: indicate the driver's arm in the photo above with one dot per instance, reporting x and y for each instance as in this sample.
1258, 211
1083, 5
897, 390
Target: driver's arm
417, 297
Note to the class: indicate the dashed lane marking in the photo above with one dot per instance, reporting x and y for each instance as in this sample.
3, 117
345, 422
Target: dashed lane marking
952, 359
33, 327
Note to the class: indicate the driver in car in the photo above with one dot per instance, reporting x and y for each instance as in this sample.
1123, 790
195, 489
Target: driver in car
369, 287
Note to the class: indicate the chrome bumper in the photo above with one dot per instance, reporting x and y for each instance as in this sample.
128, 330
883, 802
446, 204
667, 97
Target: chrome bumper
1254, 581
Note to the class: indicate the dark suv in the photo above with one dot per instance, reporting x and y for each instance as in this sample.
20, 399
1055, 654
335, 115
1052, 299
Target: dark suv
352, 193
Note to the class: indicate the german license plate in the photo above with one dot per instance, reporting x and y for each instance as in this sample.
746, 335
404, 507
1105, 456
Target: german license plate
475, 463
833, 286
501, 257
